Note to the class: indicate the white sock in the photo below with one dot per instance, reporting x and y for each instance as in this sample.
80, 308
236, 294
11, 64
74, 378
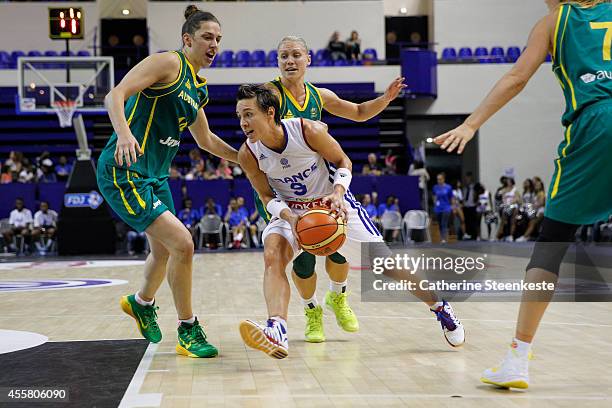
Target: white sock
437, 305
521, 347
189, 321
338, 287
280, 320
143, 302
310, 303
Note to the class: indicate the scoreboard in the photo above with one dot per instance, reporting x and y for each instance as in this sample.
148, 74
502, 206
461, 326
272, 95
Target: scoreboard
65, 23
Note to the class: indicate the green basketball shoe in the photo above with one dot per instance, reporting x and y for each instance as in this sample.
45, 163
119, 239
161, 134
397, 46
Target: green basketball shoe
345, 317
145, 316
192, 341
314, 325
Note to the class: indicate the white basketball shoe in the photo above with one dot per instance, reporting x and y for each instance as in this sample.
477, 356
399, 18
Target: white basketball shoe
271, 338
512, 372
452, 327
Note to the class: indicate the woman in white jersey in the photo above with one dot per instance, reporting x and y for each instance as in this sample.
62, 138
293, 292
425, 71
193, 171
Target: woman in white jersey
277, 154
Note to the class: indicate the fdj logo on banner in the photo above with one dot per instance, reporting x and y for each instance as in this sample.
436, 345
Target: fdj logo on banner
92, 200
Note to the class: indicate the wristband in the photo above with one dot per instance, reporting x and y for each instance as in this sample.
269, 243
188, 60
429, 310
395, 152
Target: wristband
275, 206
343, 177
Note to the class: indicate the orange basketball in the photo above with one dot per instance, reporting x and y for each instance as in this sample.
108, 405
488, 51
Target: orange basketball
320, 233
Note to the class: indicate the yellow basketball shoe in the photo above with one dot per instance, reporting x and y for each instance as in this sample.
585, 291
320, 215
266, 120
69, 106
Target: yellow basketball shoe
512, 372
313, 332
345, 317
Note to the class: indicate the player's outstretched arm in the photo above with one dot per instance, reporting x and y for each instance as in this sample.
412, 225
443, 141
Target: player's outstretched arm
210, 142
510, 85
157, 68
360, 112
320, 141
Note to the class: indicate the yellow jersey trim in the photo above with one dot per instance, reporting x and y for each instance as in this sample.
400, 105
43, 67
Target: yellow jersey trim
294, 102
140, 200
554, 51
146, 135
165, 86
133, 109
568, 139
196, 79
125, 203
569, 82
320, 98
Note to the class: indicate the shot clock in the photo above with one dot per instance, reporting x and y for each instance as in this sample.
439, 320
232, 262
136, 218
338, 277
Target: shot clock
65, 23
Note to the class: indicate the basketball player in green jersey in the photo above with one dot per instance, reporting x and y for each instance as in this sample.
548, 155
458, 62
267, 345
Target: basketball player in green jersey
164, 96
302, 99
578, 35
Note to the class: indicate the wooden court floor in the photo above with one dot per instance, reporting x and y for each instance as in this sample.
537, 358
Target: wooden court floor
398, 358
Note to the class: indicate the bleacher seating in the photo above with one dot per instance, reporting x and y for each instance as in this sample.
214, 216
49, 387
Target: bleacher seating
497, 55
449, 54
513, 54
465, 53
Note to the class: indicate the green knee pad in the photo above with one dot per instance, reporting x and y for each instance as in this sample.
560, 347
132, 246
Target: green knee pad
304, 265
337, 258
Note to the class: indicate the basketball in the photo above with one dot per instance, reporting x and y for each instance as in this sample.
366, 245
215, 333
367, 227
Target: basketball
320, 233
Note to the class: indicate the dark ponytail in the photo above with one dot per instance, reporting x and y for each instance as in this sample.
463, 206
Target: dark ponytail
194, 17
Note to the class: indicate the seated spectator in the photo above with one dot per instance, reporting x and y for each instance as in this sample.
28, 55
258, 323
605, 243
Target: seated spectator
211, 208
484, 209
336, 48
189, 217
370, 208
45, 173
14, 162
5, 175
390, 205
417, 168
353, 46
45, 225
442, 195
63, 168
390, 163
20, 221
533, 208
175, 173
237, 222
508, 210
224, 171
236, 170
134, 238
371, 168
253, 218
457, 204
26, 175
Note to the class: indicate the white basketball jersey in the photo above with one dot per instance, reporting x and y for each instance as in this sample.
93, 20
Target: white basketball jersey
296, 173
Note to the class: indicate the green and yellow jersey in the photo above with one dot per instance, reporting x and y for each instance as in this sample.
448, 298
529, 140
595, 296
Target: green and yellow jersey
157, 116
582, 59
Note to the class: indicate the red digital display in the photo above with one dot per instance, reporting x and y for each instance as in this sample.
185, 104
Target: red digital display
65, 23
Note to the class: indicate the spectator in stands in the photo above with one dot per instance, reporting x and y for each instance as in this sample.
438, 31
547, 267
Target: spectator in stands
212, 208
62, 169
457, 211
133, 237
237, 223
43, 156
336, 48
189, 217
5, 175
26, 175
20, 221
245, 214
253, 218
175, 173
417, 168
371, 168
353, 46
224, 171
510, 200
45, 225
484, 209
236, 170
442, 195
14, 162
45, 172
470, 202
370, 208
392, 47
536, 213
391, 204
390, 163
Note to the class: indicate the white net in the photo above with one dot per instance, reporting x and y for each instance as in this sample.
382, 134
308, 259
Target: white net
65, 110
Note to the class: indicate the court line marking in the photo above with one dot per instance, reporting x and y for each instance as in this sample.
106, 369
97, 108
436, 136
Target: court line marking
506, 395
132, 396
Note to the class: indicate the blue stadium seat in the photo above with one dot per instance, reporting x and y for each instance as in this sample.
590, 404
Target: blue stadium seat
14, 56
272, 58
5, 60
325, 63
226, 58
242, 58
341, 63
83, 53
369, 54
321, 55
483, 53
513, 54
50, 53
258, 58
34, 53
449, 54
497, 54
465, 53
67, 53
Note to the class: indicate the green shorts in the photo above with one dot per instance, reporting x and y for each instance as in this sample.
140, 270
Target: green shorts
581, 187
137, 200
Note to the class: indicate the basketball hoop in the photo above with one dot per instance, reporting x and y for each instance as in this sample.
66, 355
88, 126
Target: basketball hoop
65, 110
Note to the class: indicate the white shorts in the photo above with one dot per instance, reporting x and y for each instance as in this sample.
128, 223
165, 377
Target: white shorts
360, 228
